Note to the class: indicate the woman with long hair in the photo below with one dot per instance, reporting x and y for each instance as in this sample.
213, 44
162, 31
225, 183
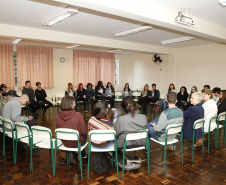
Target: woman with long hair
222, 103
90, 94
100, 91
131, 122
182, 97
71, 92
127, 91
110, 94
81, 93
164, 102
145, 98
188, 104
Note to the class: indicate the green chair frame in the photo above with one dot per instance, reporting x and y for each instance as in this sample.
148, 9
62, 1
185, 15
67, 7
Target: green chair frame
134, 149
223, 114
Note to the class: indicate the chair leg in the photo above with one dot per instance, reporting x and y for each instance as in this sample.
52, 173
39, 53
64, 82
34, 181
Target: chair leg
116, 162
14, 151
203, 144
182, 150
208, 142
15, 155
80, 158
88, 163
148, 156
3, 144
192, 149
53, 162
31, 161
225, 133
173, 148
165, 159
112, 159
123, 157
50, 155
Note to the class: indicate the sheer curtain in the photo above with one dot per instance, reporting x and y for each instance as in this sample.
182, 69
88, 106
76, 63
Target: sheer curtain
7, 66
35, 64
90, 67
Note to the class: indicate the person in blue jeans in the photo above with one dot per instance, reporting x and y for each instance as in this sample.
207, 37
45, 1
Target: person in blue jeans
173, 115
164, 102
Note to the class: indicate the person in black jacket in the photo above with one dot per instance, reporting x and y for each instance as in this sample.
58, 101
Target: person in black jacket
90, 94
41, 97
4, 88
182, 97
222, 101
155, 94
34, 105
100, 91
81, 93
145, 98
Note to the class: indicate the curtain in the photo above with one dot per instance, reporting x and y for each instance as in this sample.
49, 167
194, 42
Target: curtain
90, 67
36, 65
7, 66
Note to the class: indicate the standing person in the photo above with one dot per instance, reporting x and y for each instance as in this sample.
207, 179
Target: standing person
192, 114
222, 103
110, 94
90, 94
12, 111
69, 118
100, 91
155, 94
218, 94
210, 110
81, 93
41, 97
127, 91
4, 88
131, 122
182, 97
164, 102
71, 92
34, 105
145, 98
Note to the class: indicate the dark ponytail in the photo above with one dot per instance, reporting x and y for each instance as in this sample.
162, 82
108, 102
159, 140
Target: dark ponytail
129, 106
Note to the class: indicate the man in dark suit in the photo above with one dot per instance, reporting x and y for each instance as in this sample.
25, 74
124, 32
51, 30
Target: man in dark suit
155, 94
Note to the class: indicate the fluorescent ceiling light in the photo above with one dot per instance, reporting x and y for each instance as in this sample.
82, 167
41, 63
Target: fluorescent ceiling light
114, 50
72, 46
176, 40
222, 2
132, 31
67, 12
16, 41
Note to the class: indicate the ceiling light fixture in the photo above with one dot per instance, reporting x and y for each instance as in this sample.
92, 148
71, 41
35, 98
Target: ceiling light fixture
16, 41
67, 12
182, 19
132, 31
72, 46
176, 40
222, 3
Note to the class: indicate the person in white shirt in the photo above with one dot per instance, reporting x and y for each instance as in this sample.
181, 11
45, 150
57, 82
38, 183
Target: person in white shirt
210, 109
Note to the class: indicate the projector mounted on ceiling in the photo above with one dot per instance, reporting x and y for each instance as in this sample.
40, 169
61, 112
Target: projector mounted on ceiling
222, 3
182, 19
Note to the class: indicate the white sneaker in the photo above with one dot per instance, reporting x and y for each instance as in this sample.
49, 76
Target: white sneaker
114, 109
85, 111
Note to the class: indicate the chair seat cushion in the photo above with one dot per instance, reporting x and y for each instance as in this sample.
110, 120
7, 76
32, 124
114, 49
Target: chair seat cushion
62, 147
163, 143
109, 149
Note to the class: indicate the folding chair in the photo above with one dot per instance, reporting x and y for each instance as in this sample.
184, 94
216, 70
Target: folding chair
103, 135
142, 134
71, 135
170, 130
221, 117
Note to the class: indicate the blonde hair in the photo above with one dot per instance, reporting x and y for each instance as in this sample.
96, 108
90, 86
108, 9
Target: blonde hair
69, 89
209, 92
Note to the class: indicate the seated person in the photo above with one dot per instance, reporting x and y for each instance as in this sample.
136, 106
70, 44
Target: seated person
110, 94
206, 87
4, 88
100, 91
182, 97
222, 103
131, 122
12, 110
210, 110
164, 102
69, 118
90, 94
155, 94
100, 121
192, 114
41, 98
81, 93
34, 105
127, 91
71, 92
172, 115
145, 98
188, 104
3, 100
217, 93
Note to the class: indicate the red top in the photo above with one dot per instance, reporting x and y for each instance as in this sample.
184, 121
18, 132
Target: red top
73, 120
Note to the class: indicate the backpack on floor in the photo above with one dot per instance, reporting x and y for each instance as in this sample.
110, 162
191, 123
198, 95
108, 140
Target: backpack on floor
101, 163
130, 162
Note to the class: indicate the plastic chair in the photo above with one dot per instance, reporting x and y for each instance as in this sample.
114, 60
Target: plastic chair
136, 95
57, 99
171, 129
71, 135
44, 134
103, 135
142, 134
118, 96
221, 117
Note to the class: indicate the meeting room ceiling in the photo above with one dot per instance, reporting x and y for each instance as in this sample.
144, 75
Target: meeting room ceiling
32, 14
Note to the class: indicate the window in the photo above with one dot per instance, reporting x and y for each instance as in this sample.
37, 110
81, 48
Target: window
116, 71
15, 67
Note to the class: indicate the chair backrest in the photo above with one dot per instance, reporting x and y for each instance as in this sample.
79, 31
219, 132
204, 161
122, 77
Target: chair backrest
174, 128
136, 93
118, 93
222, 116
66, 134
199, 123
41, 132
8, 123
22, 127
142, 134
102, 135
162, 96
